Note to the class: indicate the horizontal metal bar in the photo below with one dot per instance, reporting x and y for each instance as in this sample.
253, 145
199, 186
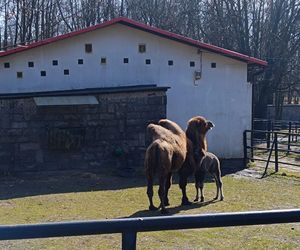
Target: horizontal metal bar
270, 132
76, 228
279, 150
275, 121
281, 162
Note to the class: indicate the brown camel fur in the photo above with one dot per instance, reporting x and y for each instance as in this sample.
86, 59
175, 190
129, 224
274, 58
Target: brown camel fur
170, 151
209, 164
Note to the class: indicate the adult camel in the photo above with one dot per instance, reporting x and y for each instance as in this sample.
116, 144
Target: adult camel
172, 150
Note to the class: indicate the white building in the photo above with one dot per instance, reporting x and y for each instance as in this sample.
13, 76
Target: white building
203, 79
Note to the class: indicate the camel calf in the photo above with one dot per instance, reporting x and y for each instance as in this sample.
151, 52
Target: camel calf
208, 164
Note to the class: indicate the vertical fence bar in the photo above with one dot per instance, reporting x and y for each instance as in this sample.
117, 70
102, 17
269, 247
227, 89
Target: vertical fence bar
289, 136
276, 151
268, 134
251, 144
245, 147
296, 132
129, 240
272, 129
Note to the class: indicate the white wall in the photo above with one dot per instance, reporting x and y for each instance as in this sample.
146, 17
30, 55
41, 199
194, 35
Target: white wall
222, 95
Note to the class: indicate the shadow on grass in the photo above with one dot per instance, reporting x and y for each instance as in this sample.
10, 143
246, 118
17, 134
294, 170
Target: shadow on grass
172, 210
231, 166
55, 182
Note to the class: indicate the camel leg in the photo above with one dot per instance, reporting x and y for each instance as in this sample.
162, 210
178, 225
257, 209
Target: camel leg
197, 191
167, 187
161, 194
221, 188
200, 183
219, 185
182, 185
150, 194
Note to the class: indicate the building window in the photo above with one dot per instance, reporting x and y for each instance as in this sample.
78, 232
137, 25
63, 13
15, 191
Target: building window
103, 60
142, 48
126, 60
192, 64
213, 65
19, 74
30, 64
6, 65
54, 62
66, 72
80, 61
88, 48
148, 61
43, 73
170, 62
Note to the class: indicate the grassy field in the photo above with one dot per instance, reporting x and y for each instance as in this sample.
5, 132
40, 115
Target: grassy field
80, 196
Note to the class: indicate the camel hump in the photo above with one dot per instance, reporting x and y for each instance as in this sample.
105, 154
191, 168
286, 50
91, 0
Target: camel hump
158, 131
172, 126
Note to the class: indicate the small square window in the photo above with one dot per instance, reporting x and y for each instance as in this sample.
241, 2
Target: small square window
30, 64
126, 60
54, 62
88, 48
43, 73
142, 48
66, 72
192, 64
80, 61
213, 65
148, 61
170, 62
6, 65
103, 60
19, 74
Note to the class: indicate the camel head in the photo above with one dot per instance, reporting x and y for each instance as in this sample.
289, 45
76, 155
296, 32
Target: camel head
197, 128
200, 124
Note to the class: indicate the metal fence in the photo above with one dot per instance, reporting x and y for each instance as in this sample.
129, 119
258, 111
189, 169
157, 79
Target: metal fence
269, 142
129, 227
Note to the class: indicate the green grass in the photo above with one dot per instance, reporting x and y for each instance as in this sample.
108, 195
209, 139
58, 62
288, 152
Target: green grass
72, 198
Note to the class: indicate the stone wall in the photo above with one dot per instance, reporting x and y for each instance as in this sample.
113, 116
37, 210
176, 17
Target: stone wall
290, 112
110, 135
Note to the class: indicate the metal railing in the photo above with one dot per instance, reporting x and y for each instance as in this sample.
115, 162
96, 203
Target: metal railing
129, 227
276, 125
269, 142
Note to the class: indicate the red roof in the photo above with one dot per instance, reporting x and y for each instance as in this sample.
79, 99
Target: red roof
147, 28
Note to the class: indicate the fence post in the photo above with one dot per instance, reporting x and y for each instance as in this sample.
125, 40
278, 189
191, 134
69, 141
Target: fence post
276, 152
289, 136
129, 240
251, 146
245, 147
268, 134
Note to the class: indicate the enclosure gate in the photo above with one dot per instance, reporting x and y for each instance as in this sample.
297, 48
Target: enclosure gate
130, 226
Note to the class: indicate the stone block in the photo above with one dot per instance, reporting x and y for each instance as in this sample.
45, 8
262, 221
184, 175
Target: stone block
29, 146
156, 100
19, 125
